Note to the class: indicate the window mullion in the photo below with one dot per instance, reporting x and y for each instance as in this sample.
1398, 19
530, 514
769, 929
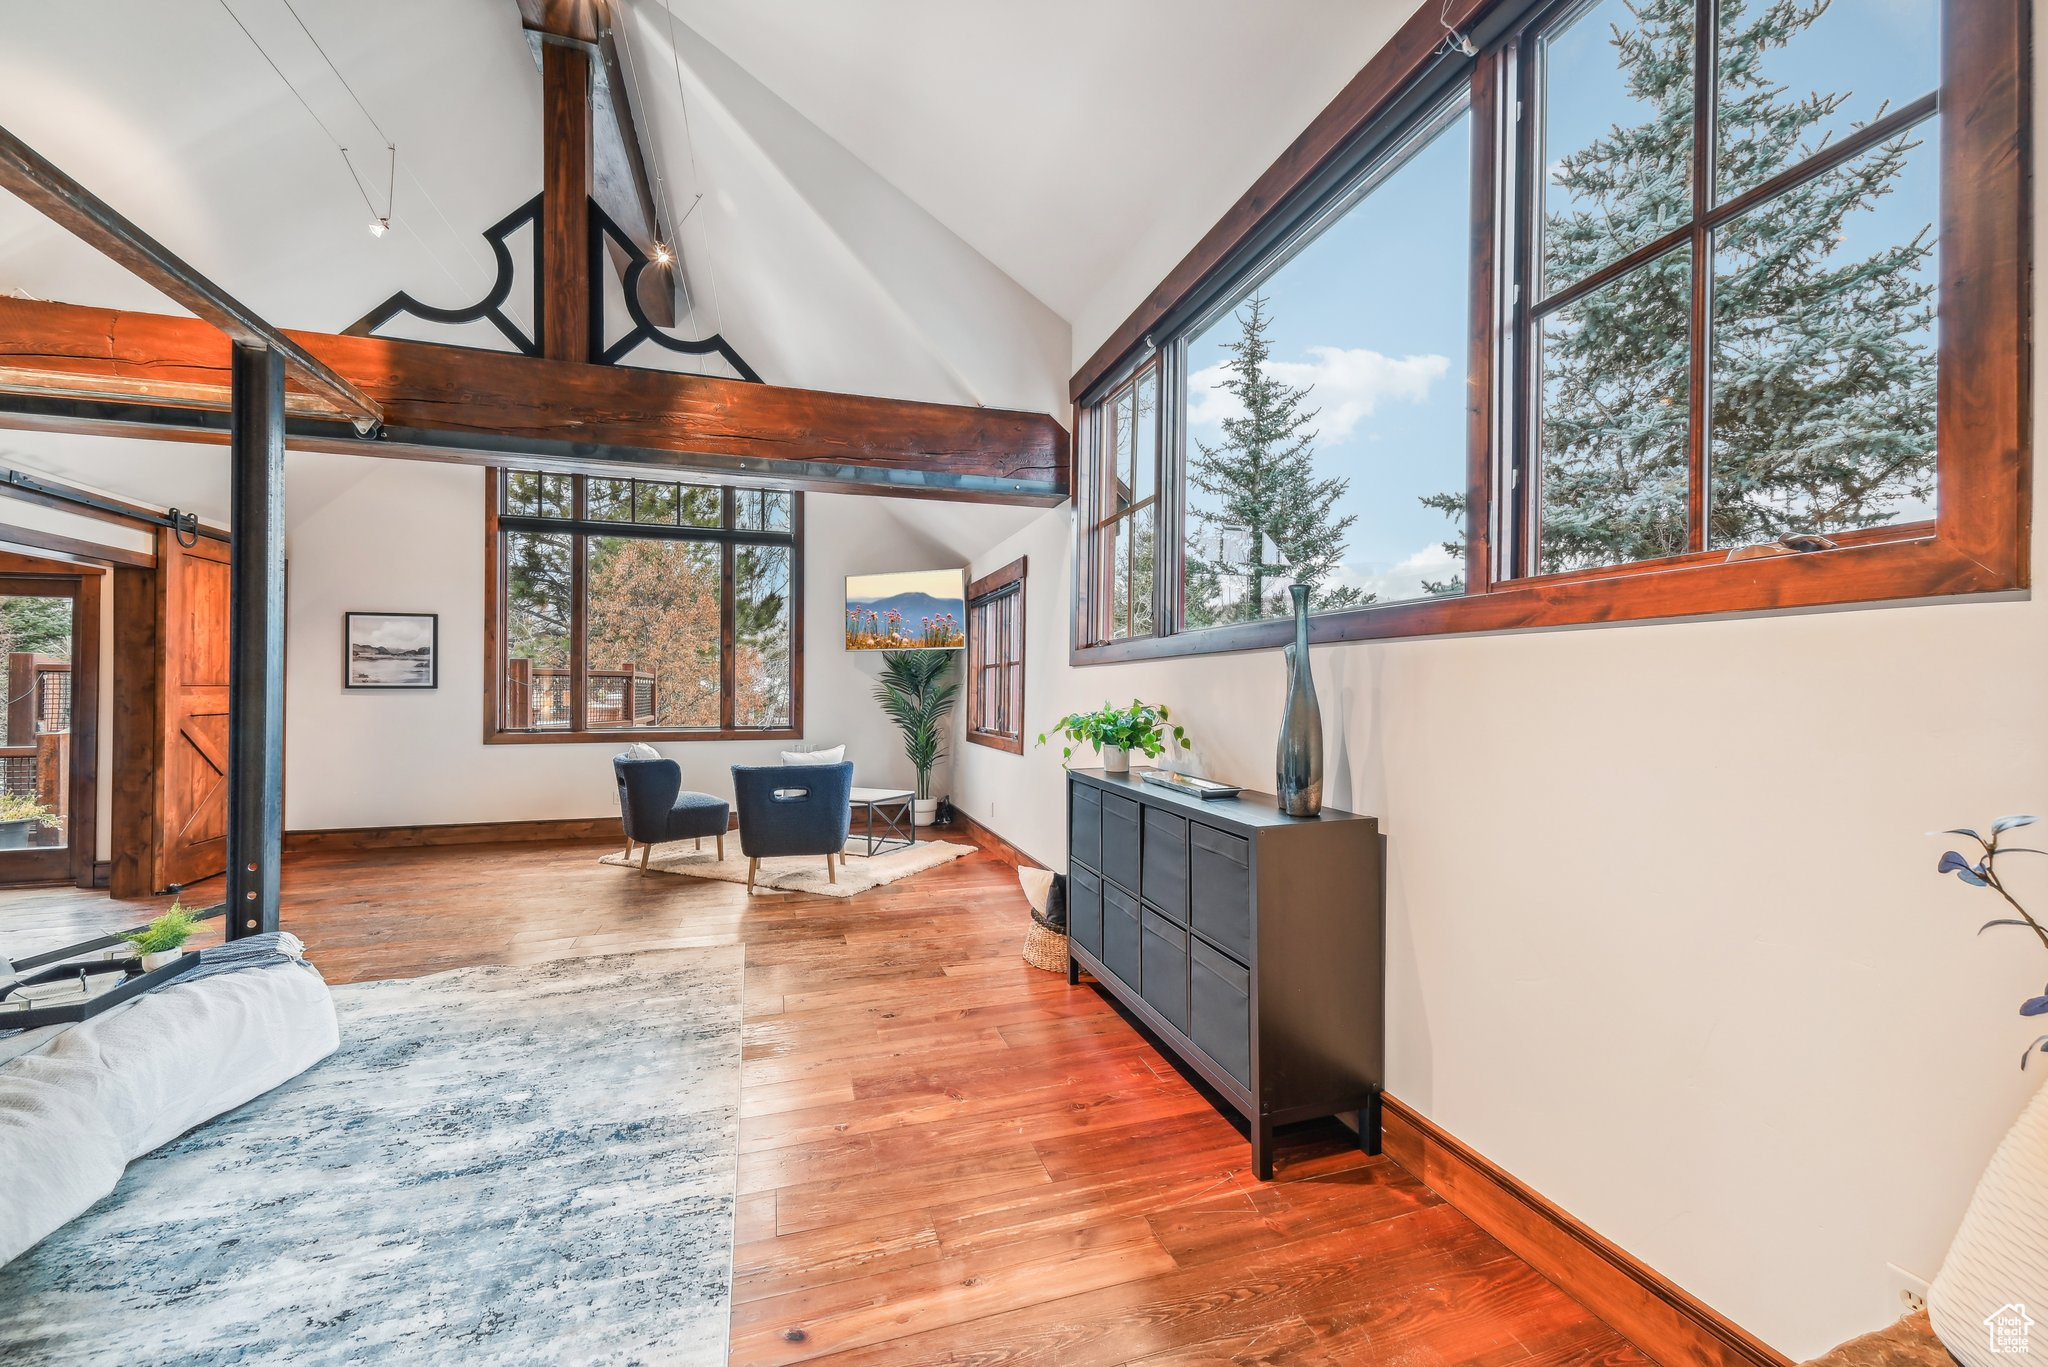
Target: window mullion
1489, 101
579, 622
1705, 87
1525, 469
728, 634
1169, 498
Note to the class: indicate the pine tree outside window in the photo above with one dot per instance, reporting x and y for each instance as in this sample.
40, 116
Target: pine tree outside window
1733, 328
1736, 321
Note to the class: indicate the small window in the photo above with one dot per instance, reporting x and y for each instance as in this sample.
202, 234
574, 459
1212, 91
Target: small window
995, 659
1127, 509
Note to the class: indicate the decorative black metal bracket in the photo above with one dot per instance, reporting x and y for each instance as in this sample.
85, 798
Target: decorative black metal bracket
491, 308
601, 227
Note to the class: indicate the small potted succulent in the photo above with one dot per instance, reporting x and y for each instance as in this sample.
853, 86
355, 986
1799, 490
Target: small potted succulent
163, 939
20, 814
1116, 731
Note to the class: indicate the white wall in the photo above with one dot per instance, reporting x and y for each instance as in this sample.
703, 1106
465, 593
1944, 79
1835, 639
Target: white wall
1664, 934
407, 537
384, 535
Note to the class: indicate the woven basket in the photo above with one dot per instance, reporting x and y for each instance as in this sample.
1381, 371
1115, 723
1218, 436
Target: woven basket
1046, 949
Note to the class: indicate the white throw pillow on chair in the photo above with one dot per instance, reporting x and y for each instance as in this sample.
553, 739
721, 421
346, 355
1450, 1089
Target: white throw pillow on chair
836, 755
640, 749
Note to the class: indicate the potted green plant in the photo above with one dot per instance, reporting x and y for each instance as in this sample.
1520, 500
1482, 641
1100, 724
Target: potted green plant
20, 814
917, 691
163, 939
1116, 731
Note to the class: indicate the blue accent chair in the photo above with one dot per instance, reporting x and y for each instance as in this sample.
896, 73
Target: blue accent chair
655, 809
788, 809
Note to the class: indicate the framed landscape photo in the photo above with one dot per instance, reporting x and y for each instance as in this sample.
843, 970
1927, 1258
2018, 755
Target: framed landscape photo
391, 650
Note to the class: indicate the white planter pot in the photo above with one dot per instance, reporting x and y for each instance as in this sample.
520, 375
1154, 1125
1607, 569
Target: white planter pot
1116, 759
1996, 1272
925, 808
152, 962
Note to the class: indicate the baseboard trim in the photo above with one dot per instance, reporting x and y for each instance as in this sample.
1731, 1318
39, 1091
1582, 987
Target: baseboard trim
352, 838
1662, 1319
992, 842
357, 838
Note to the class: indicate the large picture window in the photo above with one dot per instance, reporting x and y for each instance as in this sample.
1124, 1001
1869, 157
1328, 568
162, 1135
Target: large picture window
1645, 308
663, 609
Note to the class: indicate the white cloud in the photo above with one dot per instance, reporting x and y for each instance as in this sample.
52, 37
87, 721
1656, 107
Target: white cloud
1348, 386
1404, 580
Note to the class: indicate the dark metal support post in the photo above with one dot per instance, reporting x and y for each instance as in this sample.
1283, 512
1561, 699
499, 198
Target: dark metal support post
256, 642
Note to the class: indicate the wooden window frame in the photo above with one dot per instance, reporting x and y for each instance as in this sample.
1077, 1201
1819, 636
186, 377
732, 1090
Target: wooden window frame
1002, 587
1980, 539
727, 536
1103, 516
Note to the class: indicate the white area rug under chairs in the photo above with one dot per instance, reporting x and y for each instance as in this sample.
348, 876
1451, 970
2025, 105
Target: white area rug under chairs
796, 873
499, 1165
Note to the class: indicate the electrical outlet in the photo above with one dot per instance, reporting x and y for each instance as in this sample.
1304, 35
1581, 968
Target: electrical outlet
1909, 1291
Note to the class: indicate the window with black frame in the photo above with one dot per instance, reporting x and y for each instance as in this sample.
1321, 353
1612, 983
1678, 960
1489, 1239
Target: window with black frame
647, 606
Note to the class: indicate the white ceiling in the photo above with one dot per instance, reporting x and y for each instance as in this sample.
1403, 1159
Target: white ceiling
1067, 143
1057, 137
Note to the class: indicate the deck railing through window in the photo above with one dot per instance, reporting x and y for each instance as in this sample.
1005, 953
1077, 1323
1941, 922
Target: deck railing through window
537, 696
35, 761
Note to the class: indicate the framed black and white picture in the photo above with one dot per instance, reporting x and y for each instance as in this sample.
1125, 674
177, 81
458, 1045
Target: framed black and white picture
391, 650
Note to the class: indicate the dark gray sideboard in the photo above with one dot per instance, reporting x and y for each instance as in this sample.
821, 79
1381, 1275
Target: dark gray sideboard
1251, 943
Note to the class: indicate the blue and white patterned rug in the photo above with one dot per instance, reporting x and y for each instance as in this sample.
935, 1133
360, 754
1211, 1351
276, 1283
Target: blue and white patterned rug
498, 1165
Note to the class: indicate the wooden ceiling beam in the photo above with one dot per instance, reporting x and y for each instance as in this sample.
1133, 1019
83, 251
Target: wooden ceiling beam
608, 129
565, 203
77, 210
70, 368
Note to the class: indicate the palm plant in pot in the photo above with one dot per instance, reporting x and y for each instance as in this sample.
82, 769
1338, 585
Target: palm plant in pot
917, 690
1116, 731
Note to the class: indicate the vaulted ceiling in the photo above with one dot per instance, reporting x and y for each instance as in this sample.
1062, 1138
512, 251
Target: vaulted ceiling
912, 198
917, 199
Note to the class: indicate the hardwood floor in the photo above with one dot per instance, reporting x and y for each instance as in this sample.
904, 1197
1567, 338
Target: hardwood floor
948, 1156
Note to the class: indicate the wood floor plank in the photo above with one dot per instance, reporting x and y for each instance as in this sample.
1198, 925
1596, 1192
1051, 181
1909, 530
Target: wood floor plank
946, 1155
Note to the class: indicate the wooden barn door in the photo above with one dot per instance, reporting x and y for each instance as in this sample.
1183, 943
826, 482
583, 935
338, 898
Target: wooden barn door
192, 792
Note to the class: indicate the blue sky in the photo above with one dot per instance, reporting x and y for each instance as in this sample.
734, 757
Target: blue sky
1374, 314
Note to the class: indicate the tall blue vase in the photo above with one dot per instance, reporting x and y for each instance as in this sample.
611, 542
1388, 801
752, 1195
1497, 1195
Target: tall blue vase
1300, 768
